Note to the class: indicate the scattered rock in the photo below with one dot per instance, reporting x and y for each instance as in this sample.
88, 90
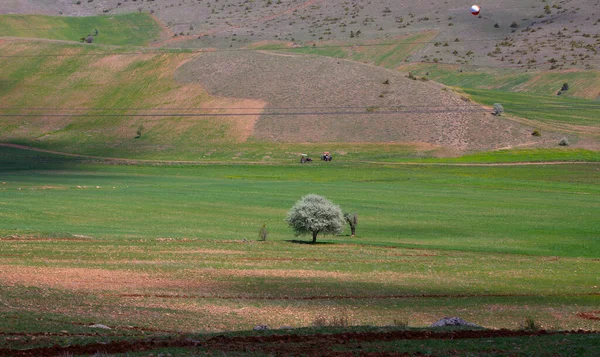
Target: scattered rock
452, 321
196, 343
286, 328
100, 326
261, 328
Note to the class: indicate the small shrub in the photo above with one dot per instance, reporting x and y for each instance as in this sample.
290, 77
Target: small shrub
530, 325
387, 81
411, 76
536, 133
514, 25
400, 323
263, 232
139, 132
319, 321
563, 142
340, 320
565, 87
352, 219
498, 109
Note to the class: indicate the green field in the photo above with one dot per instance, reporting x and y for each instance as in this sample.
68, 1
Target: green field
528, 95
394, 200
389, 54
174, 249
123, 30
579, 115
582, 84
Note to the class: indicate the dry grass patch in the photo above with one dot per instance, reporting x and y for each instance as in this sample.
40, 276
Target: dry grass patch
114, 63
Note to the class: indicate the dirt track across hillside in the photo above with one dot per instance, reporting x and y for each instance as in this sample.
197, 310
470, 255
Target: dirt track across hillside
183, 162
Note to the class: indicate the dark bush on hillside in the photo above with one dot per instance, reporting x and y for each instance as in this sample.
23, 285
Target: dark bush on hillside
139, 132
263, 232
536, 133
352, 219
565, 87
498, 109
564, 142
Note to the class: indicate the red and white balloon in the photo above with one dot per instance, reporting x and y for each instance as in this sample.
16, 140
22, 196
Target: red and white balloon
475, 9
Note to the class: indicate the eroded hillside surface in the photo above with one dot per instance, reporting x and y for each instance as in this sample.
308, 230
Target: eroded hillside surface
519, 33
318, 99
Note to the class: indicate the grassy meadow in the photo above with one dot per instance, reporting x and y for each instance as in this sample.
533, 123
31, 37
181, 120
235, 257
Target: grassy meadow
582, 83
174, 249
135, 29
572, 114
163, 240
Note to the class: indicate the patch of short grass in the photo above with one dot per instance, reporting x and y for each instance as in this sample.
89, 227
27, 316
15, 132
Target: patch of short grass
133, 29
562, 112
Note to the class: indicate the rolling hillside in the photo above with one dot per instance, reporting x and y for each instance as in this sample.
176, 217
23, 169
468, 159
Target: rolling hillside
343, 101
256, 89
94, 101
129, 29
521, 33
104, 98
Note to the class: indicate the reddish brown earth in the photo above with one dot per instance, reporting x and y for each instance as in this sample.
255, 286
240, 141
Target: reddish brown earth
590, 315
283, 345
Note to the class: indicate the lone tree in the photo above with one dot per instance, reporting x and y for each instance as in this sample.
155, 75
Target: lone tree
314, 214
352, 219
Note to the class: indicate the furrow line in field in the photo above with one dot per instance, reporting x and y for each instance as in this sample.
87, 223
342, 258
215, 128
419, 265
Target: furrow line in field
339, 297
280, 343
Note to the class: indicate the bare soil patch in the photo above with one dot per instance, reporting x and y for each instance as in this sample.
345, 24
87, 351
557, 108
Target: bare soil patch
317, 99
590, 315
88, 279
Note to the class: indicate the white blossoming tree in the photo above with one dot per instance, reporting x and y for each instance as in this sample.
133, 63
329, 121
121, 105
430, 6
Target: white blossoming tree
314, 214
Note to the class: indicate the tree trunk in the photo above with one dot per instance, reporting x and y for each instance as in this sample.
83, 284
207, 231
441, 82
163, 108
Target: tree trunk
353, 229
315, 236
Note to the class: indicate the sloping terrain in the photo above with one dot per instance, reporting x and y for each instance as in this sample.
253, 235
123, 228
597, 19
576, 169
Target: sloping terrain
317, 99
271, 96
521, 33
106, 98
129, 29
96, 101
582, 84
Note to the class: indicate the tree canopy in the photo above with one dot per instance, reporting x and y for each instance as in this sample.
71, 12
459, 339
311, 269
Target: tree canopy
314, 214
